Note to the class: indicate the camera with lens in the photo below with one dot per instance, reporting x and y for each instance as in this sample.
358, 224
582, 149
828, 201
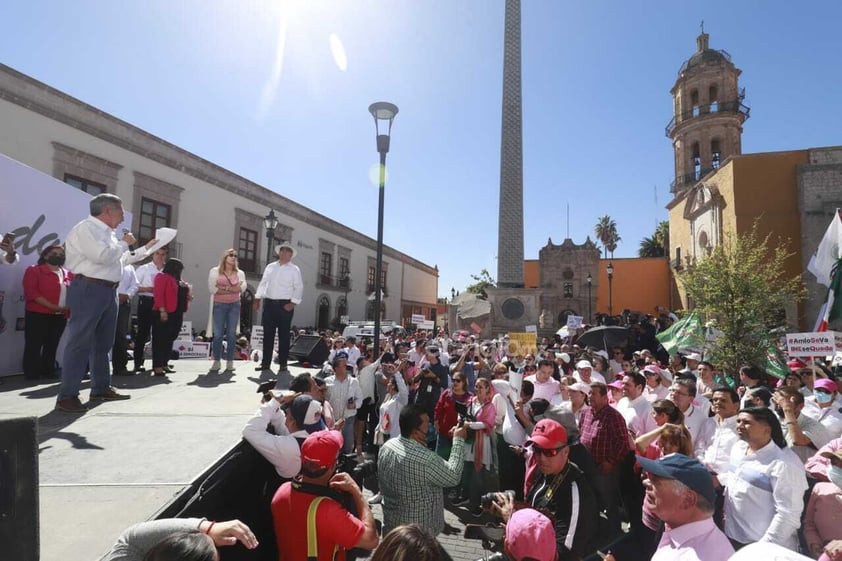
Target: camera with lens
462, 415
363, 473
487, 499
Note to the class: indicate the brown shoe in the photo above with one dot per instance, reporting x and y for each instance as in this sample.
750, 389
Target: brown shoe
71, 405
110, 395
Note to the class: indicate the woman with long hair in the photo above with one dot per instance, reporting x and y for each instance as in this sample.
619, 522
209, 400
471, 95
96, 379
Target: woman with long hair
171, 296
44, 289
445, 416
226, 283
479, 451
410, 543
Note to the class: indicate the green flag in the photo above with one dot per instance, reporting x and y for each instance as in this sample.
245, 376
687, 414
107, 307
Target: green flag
684, 335
775, 365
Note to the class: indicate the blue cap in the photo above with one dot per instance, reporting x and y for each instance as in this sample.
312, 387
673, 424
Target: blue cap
688, 471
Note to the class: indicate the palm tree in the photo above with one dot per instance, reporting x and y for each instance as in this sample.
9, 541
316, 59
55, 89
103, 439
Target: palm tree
650, 247
613, 239
662, 235
603, 230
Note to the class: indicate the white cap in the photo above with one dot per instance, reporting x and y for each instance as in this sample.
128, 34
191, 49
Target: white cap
584, 364
580, 387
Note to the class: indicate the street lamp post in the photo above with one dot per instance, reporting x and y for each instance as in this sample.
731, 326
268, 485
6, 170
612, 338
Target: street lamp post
610, 270
383, 113
270, 223
590, 283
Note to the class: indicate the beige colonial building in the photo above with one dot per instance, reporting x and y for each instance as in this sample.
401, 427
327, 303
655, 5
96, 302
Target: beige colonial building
212, 208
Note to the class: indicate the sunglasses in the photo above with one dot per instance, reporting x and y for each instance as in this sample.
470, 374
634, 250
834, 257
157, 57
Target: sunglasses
548, 452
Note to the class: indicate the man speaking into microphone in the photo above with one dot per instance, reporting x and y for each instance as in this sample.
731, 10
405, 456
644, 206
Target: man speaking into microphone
95, 255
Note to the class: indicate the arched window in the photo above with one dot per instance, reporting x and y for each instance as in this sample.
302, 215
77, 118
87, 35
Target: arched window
696, 160
715, 153
694, 102
713, 98
341, 308
323, 313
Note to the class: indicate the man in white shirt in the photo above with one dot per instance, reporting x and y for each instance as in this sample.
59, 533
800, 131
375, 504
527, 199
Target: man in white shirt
345, 397
292, 417
94, 254
282, 289
546, 387
634, 408
585, 373
701, 427
803, 434
353, 353
145, 314
125, 291
725, 403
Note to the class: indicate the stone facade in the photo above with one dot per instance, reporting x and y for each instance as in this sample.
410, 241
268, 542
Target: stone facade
564, 285
510, 225
819, 196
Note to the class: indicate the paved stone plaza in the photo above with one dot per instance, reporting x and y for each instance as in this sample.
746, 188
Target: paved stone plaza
122, 461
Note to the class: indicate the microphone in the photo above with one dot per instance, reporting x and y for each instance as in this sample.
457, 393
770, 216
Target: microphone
127, 231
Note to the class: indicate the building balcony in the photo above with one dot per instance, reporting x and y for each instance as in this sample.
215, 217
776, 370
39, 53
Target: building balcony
333, 283
733, 107
688, 180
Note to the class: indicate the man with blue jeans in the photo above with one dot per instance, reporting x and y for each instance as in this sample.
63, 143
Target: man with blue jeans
95, 256
282, 289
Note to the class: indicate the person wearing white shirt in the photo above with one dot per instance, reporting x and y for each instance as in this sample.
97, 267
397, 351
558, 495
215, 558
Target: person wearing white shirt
353, 354
95, 256
282, 289
546, 387
824, 406
586, 374
655, 390
701, 427
634, 408
125, 292
764, 488
145, 314
366, 419
345, 397
302, 417
725, 403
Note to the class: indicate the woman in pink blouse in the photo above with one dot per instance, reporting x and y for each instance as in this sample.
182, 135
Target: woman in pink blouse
226, 283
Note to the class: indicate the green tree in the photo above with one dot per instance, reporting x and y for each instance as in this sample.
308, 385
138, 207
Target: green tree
742, 286
606, 232
482, 281
658, 244
649, 247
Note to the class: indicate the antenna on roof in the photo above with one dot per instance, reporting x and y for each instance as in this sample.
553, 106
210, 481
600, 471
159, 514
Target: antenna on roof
702, 26
568, 219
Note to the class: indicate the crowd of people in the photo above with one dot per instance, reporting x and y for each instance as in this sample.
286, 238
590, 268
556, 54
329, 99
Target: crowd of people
627, 451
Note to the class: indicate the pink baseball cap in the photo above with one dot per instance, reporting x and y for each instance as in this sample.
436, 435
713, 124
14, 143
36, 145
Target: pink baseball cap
530, 534
826, 384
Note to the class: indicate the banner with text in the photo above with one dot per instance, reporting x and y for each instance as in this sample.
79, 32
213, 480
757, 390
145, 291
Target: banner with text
40, 210
522, 344
822, 343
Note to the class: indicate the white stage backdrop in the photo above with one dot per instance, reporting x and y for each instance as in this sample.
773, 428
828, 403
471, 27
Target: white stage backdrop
41, 210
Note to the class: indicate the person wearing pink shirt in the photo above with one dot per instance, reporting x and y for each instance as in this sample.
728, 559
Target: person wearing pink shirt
546, 387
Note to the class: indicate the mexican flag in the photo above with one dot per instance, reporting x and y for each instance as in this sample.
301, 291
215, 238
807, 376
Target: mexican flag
825, 265
684, 335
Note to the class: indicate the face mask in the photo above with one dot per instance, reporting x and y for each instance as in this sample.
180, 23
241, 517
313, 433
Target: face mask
834, 473
823, 397
57, 260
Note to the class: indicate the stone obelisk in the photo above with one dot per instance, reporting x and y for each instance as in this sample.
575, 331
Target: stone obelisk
510, 225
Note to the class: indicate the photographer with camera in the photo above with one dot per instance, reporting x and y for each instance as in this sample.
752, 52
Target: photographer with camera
311, 521
470, 362
561, 490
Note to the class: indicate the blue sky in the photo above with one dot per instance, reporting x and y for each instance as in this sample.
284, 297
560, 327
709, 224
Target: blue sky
206, 76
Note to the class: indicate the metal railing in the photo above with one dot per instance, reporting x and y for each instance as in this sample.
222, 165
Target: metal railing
686, 180
735, 107
330, 281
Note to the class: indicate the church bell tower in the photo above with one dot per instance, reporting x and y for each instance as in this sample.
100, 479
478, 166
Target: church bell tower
708, 114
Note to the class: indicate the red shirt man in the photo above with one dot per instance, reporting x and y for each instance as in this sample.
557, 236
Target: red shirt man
294, 506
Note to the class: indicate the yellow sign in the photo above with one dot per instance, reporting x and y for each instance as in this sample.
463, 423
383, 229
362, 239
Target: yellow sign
522, 344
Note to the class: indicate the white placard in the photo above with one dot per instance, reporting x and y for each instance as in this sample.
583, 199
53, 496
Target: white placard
531, 329
574, 322
822, 343
418, 319
256, 341
345, 320
186, 333
426, 324
192, 349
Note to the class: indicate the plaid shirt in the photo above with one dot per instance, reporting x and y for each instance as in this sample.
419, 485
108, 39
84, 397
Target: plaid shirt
411, 480
604, 434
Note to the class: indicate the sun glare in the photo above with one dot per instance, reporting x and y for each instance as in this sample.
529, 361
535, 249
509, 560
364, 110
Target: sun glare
338, 52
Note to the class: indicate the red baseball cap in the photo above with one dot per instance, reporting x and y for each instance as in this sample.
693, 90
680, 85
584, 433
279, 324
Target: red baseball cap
320, 452
548, 434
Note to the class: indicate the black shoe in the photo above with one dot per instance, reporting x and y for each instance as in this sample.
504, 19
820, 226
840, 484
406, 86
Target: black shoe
261, 368
169, 370
122, 372
460, 501
477, 512
138, 369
